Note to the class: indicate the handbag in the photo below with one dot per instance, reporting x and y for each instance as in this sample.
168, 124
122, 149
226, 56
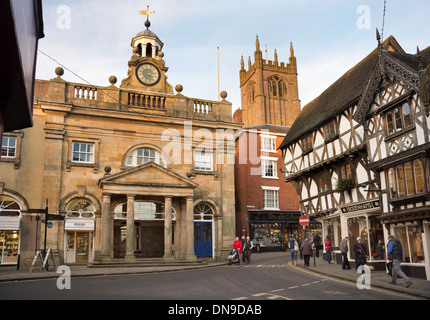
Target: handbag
296, 246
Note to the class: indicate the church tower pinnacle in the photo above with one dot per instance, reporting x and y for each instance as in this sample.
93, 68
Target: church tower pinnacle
269, 90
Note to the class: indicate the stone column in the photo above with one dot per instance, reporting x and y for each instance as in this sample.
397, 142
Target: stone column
131, 230
168, 228
105, 229
189, 221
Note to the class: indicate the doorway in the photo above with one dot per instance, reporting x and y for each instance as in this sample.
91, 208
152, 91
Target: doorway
203, 239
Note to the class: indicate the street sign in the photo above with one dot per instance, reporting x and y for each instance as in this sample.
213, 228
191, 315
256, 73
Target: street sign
304, 220
50, 224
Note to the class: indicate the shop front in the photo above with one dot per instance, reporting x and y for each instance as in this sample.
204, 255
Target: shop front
79, 229
270, 230
359, 220
413, 231
10, 230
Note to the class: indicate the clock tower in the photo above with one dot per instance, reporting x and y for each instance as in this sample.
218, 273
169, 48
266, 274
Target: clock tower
147, 70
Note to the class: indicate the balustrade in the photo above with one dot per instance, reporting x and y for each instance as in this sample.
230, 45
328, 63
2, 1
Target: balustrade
86, 93
146, 101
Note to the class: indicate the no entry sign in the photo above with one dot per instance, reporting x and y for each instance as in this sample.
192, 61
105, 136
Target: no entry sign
304, 220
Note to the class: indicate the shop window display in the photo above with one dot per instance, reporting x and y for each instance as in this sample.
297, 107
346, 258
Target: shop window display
9, 242
412, 243
358, 227
332, 229
10, 210
277, 234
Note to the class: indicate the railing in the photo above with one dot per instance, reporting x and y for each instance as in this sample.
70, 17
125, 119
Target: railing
86, 93
202, 107
146, 101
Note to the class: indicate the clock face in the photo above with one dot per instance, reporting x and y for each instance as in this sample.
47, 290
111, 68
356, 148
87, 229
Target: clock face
148, 74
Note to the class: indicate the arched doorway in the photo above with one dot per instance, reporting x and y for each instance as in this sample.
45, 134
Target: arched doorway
203, 230
79, 230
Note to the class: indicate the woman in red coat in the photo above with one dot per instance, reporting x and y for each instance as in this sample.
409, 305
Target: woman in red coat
238, 246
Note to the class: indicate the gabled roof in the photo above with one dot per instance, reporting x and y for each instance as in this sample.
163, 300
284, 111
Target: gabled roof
347, 90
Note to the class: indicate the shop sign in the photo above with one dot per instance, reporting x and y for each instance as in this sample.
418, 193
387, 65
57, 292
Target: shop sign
286, 218
368, 205
10, 223
79, 224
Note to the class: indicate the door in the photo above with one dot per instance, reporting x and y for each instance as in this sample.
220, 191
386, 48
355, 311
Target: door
203, 239
82, 245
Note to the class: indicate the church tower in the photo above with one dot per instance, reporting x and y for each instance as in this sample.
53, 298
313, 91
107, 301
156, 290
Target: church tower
147, 70
269, 90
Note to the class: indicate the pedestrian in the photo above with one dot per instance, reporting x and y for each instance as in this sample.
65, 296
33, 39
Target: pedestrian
395, 249
360, 253
247, 247
243, 240
238, 246
344, 251
328, 247
294, 248
307, 251
317, 244
300, 247
380, 249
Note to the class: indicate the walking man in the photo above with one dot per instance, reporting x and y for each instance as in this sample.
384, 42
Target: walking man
344, 251
247, 247
396, 251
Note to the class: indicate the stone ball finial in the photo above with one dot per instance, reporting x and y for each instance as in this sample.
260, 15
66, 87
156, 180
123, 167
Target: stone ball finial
179, 88
108, 169
161, 54
113, 80
59, 71
223, 94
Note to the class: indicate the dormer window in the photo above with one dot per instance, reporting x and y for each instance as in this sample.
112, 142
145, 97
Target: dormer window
399, 118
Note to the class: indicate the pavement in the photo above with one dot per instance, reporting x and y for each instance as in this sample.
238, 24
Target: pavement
378, 279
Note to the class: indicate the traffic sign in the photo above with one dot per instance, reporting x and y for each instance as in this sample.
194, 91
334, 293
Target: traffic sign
304, 220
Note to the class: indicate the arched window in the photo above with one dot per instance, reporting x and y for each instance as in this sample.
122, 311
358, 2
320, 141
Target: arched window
277, 87
149, 50
144, 155
9, 207
80, 208
202, 211
144, 210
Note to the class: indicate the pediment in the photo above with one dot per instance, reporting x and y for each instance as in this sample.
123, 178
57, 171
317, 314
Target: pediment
148, 175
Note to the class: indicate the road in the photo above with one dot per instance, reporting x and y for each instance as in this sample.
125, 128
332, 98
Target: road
265, 279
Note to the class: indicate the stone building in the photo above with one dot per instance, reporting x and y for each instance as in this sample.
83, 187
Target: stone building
267, 209
134, 170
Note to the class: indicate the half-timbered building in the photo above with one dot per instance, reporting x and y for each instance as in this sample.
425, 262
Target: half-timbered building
344, 150
398, 142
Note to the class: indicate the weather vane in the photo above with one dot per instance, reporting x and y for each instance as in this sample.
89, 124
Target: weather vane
147, 13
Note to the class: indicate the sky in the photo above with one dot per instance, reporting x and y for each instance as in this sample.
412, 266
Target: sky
92, 38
